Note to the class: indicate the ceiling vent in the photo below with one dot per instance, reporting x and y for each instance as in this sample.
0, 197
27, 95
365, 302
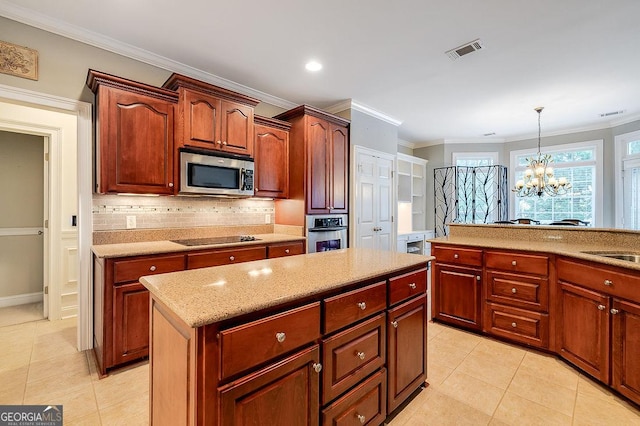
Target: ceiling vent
489, 134
611, 113
465, 49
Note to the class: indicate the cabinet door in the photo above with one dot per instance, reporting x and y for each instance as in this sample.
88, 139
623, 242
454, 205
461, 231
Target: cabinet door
271, 177
339, 183
201, 120
284, 393
131, 322
407, 350
625, 349
318, 157
237, 128
583, 329
136, 143
457, 296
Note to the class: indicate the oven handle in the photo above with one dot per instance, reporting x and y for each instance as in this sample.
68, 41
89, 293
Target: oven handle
335, 228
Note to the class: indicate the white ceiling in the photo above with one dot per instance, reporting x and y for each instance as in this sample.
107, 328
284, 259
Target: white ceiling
577, 58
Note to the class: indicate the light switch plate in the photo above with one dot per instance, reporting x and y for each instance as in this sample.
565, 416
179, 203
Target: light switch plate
131, 222
267, 218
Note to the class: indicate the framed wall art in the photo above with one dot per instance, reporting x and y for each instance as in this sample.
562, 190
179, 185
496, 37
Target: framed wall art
18, 60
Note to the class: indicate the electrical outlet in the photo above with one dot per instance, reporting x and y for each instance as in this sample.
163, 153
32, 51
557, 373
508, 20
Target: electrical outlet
267, 218
131, 222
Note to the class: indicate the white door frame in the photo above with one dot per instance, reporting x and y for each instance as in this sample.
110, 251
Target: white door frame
620, 153
83, 111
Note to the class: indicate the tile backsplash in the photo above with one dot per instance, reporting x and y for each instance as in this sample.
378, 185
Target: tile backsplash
110, 211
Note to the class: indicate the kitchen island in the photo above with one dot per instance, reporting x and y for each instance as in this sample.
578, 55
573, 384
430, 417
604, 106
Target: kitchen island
250, 341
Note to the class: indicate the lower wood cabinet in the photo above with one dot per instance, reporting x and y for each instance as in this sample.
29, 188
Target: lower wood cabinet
520, 325
625, 349
130, 322
457, 295
284, 393
407, 350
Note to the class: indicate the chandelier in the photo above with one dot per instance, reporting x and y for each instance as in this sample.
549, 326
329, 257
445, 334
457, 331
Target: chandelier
538, 178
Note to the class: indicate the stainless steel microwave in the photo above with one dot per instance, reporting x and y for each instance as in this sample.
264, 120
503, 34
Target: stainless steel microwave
208, 174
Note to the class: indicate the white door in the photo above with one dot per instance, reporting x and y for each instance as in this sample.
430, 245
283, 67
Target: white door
631, 193
374, 200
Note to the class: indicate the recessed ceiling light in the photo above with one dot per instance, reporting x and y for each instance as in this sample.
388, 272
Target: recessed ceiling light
313, 66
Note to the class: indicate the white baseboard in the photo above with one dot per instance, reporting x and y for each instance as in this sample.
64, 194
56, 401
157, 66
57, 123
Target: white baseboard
20, 299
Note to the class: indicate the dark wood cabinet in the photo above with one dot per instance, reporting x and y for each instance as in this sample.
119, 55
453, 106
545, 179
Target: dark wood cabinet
457, 295
284, 393
407, 350
134, 136
626, 348
227, 256
213, 118
285, 249
271, 154
318, 165
130, 322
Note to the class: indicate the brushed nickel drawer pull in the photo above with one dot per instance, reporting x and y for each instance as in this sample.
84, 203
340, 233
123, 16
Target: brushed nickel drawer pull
614, 311
317, 367
608, 283
601, 307
153, 268
455, 256
412, 286
394, 324
286, 251
362, 418
514, 290
514, 325
280, 337
360, 355
362, 305
514, 263
232, 258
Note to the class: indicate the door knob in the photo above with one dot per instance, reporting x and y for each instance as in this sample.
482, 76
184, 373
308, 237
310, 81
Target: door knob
280, 337
601, 307
614, 311
317, 367
362, 305
394, 324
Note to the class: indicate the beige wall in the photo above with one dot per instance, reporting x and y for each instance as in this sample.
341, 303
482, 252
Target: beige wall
21, 206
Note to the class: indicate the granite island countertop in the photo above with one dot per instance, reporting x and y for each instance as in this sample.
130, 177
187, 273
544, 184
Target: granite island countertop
165, 246
208, 295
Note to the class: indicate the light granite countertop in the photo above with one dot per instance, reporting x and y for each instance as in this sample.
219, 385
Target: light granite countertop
575, 249
208, 295
159, 247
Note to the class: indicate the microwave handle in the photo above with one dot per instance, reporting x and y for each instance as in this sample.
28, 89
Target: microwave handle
242, 175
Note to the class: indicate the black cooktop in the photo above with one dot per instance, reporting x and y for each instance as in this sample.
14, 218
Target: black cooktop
215, 240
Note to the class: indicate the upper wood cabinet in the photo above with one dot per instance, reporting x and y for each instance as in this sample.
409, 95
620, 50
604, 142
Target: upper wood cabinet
319, 155
134, 136
271, 154
211, 117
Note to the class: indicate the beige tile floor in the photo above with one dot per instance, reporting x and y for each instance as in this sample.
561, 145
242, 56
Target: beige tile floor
473, 381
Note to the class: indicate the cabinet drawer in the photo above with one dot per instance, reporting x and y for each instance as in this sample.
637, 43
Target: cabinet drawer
132, 269
529, 292
225, 257
407, 285
259, 341
347, 308
364, 404
287, 249
511, 262
600, 278
351, 355
458, 256
531, 328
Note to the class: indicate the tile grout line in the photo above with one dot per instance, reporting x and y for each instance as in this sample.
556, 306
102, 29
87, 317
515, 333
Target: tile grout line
508, 385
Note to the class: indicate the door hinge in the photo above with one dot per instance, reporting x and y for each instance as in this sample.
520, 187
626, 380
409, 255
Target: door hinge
46, 156
46, 290
392, 174
46, 223
391, 218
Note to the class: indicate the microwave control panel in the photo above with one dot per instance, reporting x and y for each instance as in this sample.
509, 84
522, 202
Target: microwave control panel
247, 184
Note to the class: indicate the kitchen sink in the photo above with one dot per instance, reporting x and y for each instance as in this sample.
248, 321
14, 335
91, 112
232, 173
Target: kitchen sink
629, 257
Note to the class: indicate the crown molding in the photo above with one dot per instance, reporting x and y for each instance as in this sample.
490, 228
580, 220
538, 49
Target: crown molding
407, 144
355, 105
55, 26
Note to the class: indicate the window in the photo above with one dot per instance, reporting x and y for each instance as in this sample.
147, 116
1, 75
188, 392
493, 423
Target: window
474, 159
627, 177
581, 164
477, 186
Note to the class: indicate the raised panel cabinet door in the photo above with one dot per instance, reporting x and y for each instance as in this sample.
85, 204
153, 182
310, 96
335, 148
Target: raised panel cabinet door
284, 393
583, 329
139, 139
339, 163
318, 157
407, 350
131, 322
626, 349
271, 176
237, 128
201, 115
457, 295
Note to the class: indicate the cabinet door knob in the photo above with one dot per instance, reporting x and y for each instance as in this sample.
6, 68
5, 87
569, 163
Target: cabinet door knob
514, 325
412, 286
455, 256
362, 305
394, 324
514, 263
514, 290
317, 367
608, 283
232, 258
286, 251
360, 355
601, 307
153, 268
280, 337
219, 142
224, 143
256, 188
170, 184
361, 418
477, 277
614, 311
